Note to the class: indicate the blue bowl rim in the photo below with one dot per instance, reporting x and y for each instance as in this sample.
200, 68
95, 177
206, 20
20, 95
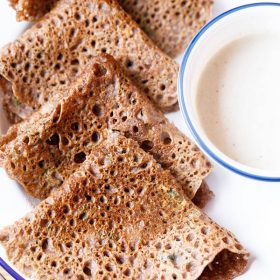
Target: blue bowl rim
10, 270
182, 102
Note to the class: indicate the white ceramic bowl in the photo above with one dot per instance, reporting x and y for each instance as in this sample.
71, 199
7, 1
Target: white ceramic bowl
229, 26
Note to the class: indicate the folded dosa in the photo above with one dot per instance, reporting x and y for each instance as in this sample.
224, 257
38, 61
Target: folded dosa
42, 151
51, 54
121, 216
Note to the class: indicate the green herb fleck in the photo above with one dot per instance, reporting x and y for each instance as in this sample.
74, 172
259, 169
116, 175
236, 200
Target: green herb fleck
173, 258
16, 102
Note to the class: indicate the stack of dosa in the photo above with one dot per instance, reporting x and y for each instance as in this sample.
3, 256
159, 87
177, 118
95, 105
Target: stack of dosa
116, 176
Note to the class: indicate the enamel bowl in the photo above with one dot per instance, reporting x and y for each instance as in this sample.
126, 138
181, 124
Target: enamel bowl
242, 21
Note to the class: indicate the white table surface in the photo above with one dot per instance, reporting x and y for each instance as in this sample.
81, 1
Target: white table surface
250, 209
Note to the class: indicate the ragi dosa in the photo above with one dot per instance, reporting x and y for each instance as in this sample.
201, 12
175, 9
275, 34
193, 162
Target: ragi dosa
121, 216
52, 53
171, 24
41, 152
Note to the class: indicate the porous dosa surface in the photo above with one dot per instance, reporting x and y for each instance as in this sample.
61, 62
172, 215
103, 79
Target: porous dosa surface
52, 53
41, 152
121, 216
31, 9
171, 24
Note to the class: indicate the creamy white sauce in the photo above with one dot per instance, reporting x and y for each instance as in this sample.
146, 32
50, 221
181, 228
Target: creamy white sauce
238, 101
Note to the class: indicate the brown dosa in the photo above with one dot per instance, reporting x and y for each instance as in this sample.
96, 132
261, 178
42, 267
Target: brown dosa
121, 216
41, 152
51, 54
31, 10
171, 24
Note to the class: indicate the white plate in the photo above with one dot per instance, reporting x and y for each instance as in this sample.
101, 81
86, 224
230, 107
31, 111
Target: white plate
248, 208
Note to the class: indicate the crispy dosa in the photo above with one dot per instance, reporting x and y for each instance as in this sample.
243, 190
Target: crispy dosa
42, 151
52, 53
170, 24
121, 216
31, 10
